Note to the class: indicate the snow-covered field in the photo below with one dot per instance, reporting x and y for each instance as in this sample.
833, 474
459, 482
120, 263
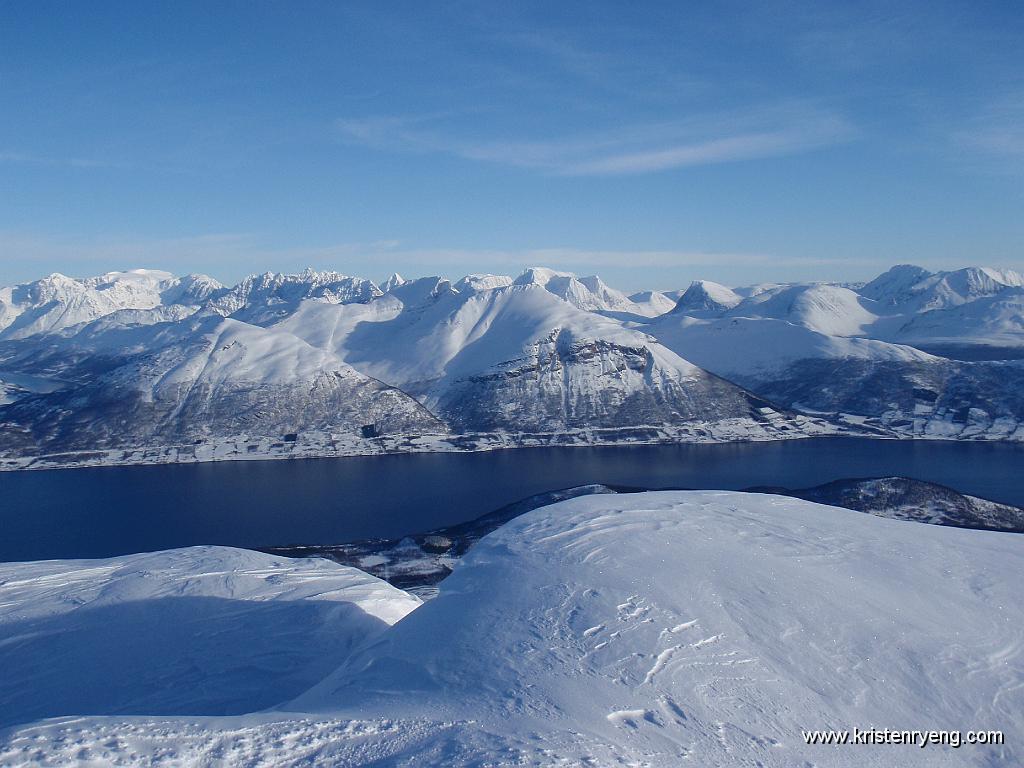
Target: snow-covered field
666, 629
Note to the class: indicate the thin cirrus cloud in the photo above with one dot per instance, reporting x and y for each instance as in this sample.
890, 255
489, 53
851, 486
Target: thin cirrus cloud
997, 132
634, 149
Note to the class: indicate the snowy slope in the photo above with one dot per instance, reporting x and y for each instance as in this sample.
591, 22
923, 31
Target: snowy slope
203, 630
660, 629
996, 321
746, 348
828, 309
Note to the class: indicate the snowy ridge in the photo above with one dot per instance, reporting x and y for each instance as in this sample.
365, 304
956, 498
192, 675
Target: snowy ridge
655, 629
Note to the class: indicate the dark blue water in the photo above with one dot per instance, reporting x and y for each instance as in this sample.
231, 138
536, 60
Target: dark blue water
116, 510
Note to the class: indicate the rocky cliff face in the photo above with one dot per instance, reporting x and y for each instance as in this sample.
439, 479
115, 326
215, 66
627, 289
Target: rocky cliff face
572, 383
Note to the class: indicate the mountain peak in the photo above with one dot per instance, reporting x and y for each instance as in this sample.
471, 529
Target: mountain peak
393, 282
706, 296
540, 276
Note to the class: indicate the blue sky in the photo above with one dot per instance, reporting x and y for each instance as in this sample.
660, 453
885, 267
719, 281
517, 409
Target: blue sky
651, 143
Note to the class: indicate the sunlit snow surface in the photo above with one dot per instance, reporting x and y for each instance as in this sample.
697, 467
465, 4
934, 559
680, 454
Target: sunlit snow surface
669, 628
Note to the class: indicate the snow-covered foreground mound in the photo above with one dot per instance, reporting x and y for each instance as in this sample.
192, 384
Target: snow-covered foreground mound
670, 628
203, 630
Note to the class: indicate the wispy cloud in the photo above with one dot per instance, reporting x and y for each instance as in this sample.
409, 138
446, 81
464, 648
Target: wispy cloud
997, 131
632, 149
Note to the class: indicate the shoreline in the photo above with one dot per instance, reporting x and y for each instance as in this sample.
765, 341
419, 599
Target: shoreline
320, 445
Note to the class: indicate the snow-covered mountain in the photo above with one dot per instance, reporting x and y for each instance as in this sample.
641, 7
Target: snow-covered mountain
486, 356
205, 378
658, 629
837, 349
144, 359
264, 299
907, 287
907, 304
706, 296
57, 302
654, 303
587, 293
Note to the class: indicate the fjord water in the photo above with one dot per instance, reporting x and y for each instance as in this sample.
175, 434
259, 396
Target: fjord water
106, 511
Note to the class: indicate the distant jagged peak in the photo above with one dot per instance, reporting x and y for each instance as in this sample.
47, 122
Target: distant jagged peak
897, 282
393, 282
1008, 277
589, 293
193, 289
141, 277
421, 289
482, 282
541, 276
308, 276
310, 282
707, 296
910, 285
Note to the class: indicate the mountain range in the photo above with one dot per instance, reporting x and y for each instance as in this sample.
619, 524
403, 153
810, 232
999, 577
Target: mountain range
324, 362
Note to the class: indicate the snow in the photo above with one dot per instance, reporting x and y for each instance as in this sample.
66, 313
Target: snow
707, 296
547, 353
661, 629
482, 282
586, 293
828, 309
203, 630
392, 282
237, 351
653, 303
419, 338
734, 347
57, 302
